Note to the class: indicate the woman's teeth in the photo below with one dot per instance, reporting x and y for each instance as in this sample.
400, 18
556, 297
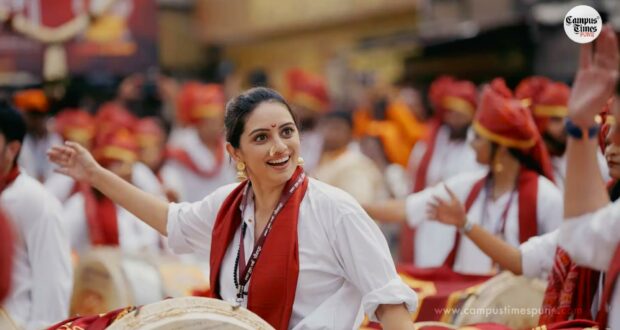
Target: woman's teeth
280, 161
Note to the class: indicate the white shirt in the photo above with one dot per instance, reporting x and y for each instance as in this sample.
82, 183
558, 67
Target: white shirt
591, 241
33, 155
470, 259
344, 262
311, 146
538, 255
134, 235
449, 158
42, 273
195, 187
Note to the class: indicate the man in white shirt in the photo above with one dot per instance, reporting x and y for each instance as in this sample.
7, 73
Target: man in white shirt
35, 107
42, 273
442, 155
197, 159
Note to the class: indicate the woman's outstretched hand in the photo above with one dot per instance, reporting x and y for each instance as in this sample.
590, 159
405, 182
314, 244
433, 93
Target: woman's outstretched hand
449, 212
74, 160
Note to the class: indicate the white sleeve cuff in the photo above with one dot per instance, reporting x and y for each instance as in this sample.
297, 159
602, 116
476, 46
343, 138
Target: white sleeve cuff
393, 293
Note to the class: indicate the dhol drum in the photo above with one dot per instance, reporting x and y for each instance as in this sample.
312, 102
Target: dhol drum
107, 279
190, 313
6, 323
433, 326
506, 299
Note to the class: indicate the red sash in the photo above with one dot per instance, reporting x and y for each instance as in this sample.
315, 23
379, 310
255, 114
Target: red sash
10, 177
611, 277
407, 234
570, 291
6, 240
185, 159
101, 218
273, 284
528, 204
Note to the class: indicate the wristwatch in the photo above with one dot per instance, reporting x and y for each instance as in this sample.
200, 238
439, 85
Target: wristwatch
577, 132
466, 227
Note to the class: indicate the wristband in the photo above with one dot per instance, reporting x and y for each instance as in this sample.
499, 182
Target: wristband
577, 132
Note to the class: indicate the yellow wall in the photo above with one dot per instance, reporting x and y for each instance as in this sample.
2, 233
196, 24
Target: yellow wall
313, 50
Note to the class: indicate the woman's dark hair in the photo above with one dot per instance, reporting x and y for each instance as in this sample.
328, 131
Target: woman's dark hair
238, 108
12, 125
524, 159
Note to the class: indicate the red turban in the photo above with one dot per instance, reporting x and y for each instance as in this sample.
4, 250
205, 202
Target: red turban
307, 90
447, 93
118, 145
505, 121
545, 99
197, 101
75, 125
31, 100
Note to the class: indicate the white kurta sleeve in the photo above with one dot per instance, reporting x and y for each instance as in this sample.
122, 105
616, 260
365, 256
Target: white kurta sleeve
550, 206
537, 255
50, 259
362, 251
190, 224
591, 239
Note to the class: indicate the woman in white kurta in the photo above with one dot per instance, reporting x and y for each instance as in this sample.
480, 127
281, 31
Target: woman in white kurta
591, 232
511, 199
344, 266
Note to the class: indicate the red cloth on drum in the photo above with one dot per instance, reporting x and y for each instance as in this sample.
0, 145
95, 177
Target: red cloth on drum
92, 322
271, 292
569, 325
527, 186
438, 289
101, 218
570, 291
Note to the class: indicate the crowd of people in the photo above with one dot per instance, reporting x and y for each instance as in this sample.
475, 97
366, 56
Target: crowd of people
290, 200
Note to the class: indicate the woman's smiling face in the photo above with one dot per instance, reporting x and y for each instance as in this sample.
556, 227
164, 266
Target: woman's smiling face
269, 144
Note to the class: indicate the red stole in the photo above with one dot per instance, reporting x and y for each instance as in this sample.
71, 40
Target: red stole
570, 291
101, 218
185, 159
6, 240
611, 277
407, 234
274, 278
527, 185
10, 177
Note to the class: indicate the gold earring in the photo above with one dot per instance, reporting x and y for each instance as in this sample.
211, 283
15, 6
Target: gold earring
300, 161
241, 175
498, 167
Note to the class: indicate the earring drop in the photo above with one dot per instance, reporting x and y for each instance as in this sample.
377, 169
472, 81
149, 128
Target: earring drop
241, 175
300, 161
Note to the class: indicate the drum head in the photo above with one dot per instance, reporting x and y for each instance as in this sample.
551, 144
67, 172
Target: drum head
506, 299
190, 313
